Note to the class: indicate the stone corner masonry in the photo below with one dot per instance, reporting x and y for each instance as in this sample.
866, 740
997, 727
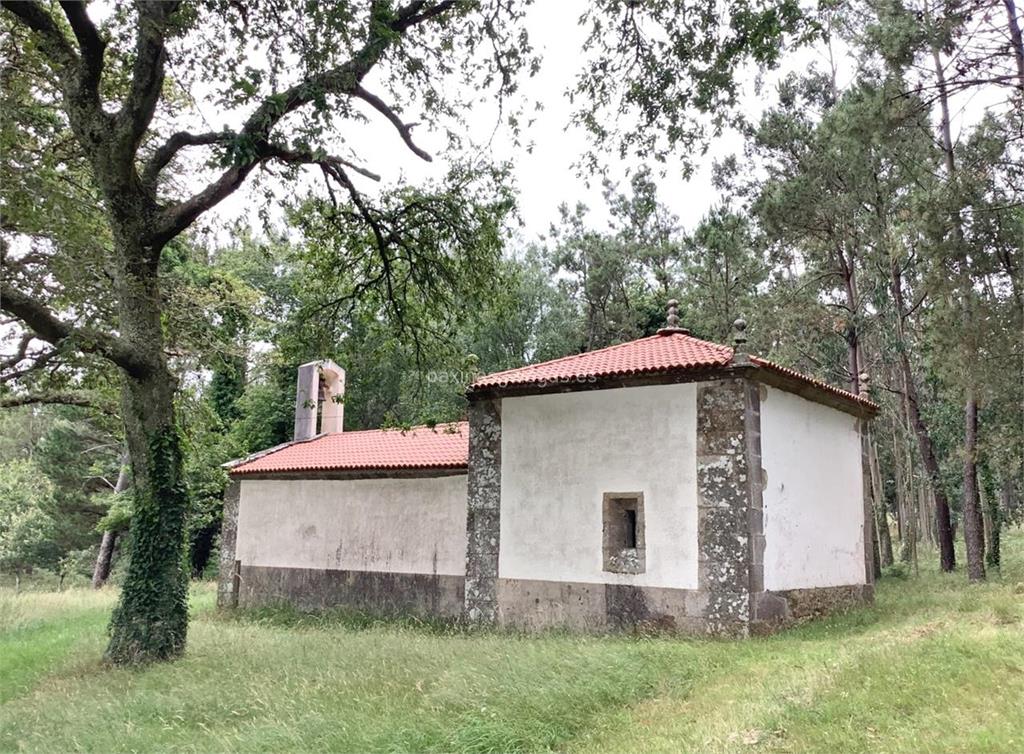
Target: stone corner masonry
228, 573
731, 539
483, 511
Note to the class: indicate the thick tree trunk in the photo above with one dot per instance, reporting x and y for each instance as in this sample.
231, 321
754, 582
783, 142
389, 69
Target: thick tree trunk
973, 527
151, 619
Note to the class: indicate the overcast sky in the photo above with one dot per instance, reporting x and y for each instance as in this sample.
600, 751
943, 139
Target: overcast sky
545, 176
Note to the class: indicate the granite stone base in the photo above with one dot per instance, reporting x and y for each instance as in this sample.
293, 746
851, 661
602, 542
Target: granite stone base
534, 606
776, 610
374, 592
531, 605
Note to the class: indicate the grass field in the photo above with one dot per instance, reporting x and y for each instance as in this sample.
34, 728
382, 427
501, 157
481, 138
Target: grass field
935, 666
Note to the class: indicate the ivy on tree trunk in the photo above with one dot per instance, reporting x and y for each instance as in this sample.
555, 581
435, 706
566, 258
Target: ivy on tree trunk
151, 620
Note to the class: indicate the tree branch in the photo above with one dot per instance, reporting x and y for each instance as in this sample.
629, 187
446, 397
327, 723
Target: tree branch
410, 15
47, 326
58, 398
178, 217
52, 40
79, 76
40, 361
148, 71
308, 158
343, 79
19, 355
178, 141
90, 43
404, 130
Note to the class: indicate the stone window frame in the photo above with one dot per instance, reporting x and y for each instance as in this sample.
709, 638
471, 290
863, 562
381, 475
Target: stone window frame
615, 558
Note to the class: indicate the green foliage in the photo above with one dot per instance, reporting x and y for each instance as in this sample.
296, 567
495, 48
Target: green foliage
80, 453
75, 455
150, 620
724, 267
119, 512
646, 79
208, 444
25, 528
898, 570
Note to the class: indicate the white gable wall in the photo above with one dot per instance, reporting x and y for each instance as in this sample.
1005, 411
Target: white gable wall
560, 453
813, 499
397, 525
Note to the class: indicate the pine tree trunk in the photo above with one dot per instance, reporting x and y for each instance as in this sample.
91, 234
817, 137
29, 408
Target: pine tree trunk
885, 553
973, 527
993, 522
1016, 41
1007, 498
881, 515
105, 557
876, 563
151, 619
943, 520
903, 507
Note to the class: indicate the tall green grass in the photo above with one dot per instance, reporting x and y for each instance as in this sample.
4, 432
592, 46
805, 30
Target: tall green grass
935, 665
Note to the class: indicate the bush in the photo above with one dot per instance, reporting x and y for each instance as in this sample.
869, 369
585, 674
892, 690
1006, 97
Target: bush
898, 570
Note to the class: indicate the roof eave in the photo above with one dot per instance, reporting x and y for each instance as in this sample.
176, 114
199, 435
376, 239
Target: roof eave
359, 472
799, 385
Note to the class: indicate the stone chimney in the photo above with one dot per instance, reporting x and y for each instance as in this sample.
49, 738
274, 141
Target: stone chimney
319, 391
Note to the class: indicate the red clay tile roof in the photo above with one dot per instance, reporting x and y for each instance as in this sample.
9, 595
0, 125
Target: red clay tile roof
447, 445
657, 353
764, 363
662, 353
443, 447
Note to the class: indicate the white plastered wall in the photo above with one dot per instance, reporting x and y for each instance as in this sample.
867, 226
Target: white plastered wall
560, 453
813, 499
397, 525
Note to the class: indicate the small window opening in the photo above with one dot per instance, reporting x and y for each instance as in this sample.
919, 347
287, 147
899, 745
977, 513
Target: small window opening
623, 532
630, 542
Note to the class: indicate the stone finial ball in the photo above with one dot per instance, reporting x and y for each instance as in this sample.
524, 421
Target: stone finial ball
740, 324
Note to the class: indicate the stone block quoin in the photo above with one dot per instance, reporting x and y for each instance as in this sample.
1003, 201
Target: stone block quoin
483, 511
730, 537
227, 586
